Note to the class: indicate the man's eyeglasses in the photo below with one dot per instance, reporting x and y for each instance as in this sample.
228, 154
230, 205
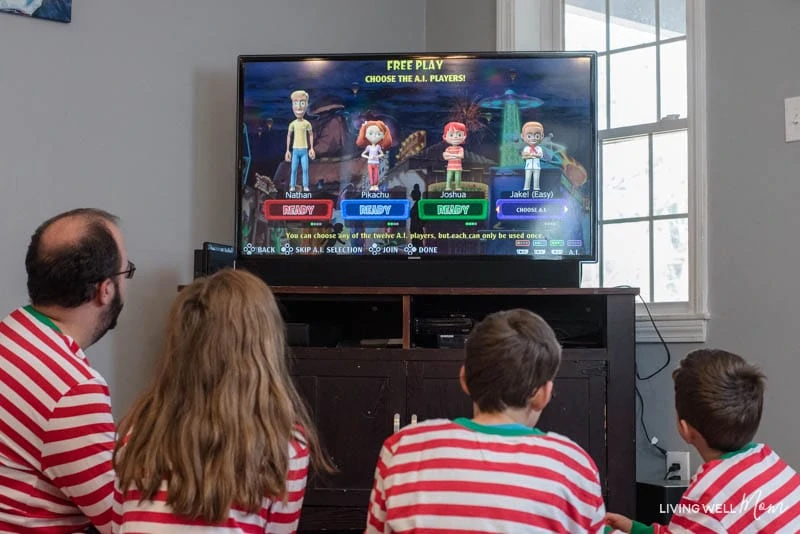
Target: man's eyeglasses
129, 271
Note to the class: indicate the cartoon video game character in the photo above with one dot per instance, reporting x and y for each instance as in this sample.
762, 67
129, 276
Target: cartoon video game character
302, 148
374, 137
532, 135
455, 134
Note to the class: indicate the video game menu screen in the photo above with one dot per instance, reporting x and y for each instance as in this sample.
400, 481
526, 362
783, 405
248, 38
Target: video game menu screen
418, 156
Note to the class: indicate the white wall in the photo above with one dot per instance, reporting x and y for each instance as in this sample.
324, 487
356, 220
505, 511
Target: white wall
131, 108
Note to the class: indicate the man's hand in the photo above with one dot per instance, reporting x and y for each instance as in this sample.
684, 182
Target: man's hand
619, 522
311, 153
288, 156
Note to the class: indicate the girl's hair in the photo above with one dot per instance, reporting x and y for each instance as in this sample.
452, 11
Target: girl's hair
217, 422
457, 126
385, 143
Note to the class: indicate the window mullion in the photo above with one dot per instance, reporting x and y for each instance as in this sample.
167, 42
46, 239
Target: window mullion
607, 59
651, 240
601, 226
658, 61
662, 126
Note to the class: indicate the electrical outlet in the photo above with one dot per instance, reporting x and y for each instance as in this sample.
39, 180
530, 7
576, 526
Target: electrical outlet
681, 458
792, 113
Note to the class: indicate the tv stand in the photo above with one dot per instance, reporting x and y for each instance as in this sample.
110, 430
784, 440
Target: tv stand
358, 388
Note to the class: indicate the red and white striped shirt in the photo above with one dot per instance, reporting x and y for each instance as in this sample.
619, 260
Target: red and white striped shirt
156, 517
56, 431
455, 155
746, 491
462, 477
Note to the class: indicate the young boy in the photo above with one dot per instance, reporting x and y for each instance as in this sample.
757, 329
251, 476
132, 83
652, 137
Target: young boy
742, 487
495, 472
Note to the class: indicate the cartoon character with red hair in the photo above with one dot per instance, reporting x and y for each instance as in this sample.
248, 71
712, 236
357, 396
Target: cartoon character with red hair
455, 134
374, 137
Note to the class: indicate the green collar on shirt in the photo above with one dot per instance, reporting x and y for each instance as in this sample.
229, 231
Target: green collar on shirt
42, 318
499, 431
734, 453
640, 528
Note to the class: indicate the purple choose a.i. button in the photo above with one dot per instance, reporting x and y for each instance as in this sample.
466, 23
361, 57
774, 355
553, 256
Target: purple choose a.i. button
531, 208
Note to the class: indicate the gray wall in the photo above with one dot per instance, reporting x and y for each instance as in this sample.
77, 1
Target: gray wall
131, 107
460, 26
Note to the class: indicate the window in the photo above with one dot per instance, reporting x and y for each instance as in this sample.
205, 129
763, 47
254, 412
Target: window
651, 120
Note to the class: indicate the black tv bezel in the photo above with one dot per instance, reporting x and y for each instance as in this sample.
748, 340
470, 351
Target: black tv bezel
416, 271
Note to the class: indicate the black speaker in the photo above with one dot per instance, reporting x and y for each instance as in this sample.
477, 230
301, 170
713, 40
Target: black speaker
657, 499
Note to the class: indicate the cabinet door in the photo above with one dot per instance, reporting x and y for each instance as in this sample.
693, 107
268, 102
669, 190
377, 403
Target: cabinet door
435, 392
578, 408
353, 403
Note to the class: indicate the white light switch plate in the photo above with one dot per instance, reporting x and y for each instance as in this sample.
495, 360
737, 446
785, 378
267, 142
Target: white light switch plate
792, 119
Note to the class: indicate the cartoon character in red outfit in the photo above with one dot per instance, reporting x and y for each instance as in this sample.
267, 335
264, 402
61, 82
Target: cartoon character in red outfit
455, 135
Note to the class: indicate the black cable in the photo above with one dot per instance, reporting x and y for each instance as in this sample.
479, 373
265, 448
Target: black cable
648, 377
671, 470
644, 426
664, 343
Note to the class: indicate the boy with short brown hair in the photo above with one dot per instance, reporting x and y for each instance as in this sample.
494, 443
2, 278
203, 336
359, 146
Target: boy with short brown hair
742, 486
495, 472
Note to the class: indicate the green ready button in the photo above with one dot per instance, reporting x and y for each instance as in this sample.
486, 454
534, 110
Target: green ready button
446, 209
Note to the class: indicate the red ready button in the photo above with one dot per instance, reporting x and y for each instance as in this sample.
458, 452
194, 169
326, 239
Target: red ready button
313, 209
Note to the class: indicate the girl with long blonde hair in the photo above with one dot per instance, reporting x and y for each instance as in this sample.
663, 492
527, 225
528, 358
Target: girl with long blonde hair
221, 438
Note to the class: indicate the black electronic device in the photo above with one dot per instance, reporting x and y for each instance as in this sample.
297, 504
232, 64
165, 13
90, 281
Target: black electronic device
213, 257
449, 331
451, 341
656, 500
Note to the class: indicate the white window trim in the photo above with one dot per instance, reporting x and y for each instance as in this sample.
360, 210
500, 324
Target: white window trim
679, 322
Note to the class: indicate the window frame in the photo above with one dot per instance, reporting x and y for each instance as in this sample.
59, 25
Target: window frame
680, 321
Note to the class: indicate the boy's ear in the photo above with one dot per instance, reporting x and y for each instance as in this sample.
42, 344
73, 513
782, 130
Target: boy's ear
687, 432
542, 397
462, 379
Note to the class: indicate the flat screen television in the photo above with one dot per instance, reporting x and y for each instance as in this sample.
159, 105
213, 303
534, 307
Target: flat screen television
417, 170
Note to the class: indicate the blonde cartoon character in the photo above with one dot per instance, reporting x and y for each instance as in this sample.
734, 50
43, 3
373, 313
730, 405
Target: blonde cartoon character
299, 139
532, 135
374, 137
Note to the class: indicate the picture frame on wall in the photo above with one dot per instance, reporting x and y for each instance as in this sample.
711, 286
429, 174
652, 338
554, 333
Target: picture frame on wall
57, 10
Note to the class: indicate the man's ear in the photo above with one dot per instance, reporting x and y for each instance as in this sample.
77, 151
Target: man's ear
542, 397
105, 292
462, 379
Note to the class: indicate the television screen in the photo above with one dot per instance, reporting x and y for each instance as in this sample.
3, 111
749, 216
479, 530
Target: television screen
470, 156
